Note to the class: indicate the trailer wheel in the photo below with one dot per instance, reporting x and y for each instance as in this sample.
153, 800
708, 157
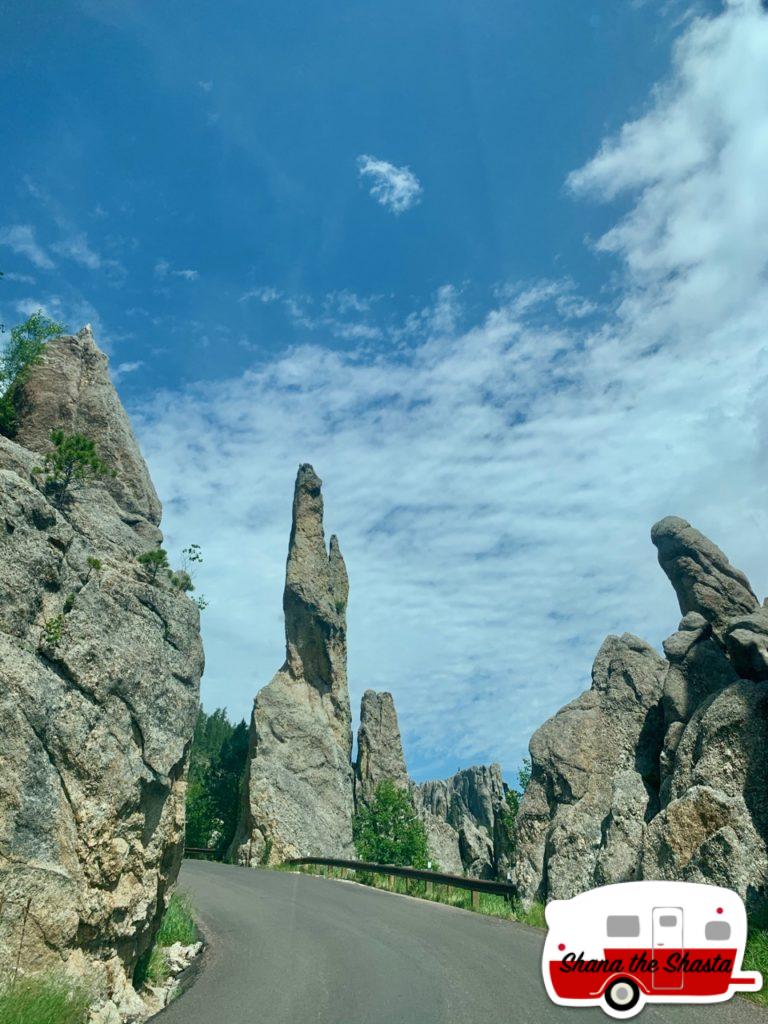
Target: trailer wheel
622, 995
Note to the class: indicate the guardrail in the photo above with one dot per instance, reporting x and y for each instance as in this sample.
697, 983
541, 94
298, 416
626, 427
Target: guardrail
474, 885
209, 851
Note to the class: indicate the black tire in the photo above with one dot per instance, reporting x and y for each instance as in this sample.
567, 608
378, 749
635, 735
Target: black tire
622, 995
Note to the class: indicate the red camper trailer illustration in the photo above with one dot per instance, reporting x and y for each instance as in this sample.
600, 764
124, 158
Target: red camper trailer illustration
622, 946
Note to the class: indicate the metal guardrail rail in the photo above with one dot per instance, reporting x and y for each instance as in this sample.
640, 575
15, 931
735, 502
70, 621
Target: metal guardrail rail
474, 885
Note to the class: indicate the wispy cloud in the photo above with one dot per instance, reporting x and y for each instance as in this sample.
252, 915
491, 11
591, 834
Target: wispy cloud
163, 270
20, 238
397, 188
265, 294
122, 369
493, 484
77, 248
19, 278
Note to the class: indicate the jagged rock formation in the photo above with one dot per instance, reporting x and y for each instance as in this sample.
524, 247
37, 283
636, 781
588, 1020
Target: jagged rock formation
464, 818
99, 688
463, 815
379, 747
659, 770
299, 786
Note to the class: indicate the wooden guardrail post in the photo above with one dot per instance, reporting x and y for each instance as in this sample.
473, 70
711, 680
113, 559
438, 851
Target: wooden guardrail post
475, 899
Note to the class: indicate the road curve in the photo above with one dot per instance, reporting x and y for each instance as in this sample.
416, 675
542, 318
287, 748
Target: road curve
297, 949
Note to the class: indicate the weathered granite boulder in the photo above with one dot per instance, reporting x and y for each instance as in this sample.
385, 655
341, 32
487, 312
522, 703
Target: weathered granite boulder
298, 797
685, 795
472, 803
703, 578
99, 689
597, 755
379, 747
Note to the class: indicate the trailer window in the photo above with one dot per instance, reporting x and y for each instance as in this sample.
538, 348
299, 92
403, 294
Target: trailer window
668, 920
623, 927
717, 930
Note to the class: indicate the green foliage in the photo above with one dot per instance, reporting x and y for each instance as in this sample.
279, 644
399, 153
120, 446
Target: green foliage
24, 349
489, 903
153, 561
52, 629
93, 563
201, 602
177, 925
69, 603
43, 999
216, 770
524, 775
190, 556
756, 959
181, 580
388, 831
74, 459
512, 803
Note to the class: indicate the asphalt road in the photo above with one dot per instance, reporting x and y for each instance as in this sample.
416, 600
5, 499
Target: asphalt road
298, 949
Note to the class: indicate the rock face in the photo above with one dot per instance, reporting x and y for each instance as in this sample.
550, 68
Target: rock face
99, 689
463, 816
299, 785
71, 391
379, 747
659, 770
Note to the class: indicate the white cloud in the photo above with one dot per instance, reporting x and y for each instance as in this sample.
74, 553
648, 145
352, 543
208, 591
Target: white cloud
20, 238
19, 278
163, 269
76, 247
124, 368
397, 188
265, 294
205, 86
493, 487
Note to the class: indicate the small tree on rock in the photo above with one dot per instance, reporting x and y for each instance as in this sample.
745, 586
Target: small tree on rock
74, 459
388, 831
154, 561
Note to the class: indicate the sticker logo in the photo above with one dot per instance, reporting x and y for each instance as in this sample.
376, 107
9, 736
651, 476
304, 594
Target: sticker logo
623, 946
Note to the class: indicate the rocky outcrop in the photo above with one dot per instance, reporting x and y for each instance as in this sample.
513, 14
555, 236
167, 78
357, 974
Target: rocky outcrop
594, 777
659, 770
71, 390
464, 819
299, 786
99, 689
379, 747
704, 580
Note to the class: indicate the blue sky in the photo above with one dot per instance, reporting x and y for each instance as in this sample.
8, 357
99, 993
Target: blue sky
497, 270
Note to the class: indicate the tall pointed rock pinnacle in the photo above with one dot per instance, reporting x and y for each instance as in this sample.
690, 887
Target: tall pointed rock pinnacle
299, 790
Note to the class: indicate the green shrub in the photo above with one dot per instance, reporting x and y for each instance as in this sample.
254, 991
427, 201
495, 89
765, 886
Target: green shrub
24, 349
52, 629
388, 830
74, 459
43, 1000
153, 561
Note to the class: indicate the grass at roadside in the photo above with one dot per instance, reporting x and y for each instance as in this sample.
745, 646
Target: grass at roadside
178, 925
490, 904
756, 959
43, 1000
